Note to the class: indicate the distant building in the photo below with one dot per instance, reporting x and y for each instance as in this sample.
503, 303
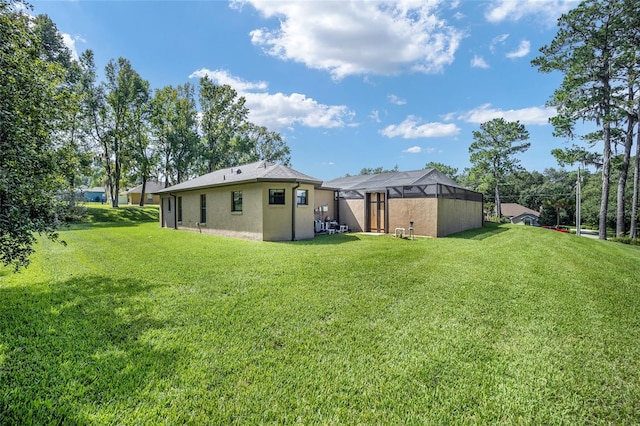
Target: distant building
520, 215
96, 194
150, 193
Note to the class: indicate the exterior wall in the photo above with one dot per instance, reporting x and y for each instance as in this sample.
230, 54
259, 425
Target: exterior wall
525, 219
134, 199
95, 196
167, 215
257, 221
326, 198
352, 214
458, 215
277, 219
422, 211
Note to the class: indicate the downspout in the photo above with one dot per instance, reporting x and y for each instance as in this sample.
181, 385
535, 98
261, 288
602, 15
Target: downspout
175, 211
294, 198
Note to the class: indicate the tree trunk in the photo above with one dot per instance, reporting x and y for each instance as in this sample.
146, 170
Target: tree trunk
144, 187
624, 169
633, 231
606, 171
498, 206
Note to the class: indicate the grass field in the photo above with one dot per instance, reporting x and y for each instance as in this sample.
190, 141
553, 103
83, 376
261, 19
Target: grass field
134, 324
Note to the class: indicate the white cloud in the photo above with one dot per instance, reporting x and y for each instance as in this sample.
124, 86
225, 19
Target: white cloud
522, 50
498, 40
479, 62
223, 77
356, 37
530, 116
396, 100
278, 110
70, 43
411, 128
375, 116
511, 10
413, 150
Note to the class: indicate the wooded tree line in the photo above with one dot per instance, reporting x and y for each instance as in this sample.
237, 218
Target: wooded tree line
597, 49
133, 133
60, 124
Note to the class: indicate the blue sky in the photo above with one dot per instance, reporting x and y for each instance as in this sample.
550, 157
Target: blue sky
347, 84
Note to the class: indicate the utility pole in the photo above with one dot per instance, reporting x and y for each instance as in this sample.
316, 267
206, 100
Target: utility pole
578, 203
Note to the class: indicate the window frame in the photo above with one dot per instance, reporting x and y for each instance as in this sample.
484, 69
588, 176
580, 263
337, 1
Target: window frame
236, 198
179, 207
203, 208
305, 193
275, 199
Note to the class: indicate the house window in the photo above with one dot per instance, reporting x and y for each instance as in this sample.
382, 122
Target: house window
169, 200
179, 209
149, 198
276, 196
203, 208
236, 201
303, 197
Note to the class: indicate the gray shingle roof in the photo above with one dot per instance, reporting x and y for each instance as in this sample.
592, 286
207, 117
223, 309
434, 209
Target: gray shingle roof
392, 179
253, 172
514, 210
150, 188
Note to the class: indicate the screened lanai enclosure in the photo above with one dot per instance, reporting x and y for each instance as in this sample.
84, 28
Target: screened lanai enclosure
428, 201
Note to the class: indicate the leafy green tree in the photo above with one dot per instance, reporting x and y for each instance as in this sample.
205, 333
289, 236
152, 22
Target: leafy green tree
224, 116
174, 127
377, 170
143, 154
31, 101
113, 123
256, 143
557, 192
493, 153
452, 172
71, 145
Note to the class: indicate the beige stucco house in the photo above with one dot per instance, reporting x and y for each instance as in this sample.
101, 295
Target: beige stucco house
257, 201
272, 202
150, 193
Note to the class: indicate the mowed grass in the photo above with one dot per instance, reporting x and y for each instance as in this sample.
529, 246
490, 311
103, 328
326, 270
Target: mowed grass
134, 324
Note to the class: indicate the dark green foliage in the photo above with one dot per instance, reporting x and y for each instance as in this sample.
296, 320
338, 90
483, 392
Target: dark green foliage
452, 172
626, 240
31, 104
493, 154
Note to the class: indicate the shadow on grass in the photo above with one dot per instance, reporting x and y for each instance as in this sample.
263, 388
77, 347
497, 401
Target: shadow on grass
324, 239
489, 229
126, 214
74, 346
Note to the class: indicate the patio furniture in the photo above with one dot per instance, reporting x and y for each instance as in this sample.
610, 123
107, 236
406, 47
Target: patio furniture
399, 232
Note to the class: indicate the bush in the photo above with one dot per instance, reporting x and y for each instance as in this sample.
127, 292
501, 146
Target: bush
626, 240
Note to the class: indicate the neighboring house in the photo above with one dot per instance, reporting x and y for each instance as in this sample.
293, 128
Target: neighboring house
520, 215
434, 203
96, 194
150, 193
258, 201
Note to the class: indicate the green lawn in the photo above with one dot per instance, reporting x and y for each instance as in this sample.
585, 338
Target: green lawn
134, 324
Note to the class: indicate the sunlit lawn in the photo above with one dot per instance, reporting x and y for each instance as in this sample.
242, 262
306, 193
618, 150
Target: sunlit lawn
134, 324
